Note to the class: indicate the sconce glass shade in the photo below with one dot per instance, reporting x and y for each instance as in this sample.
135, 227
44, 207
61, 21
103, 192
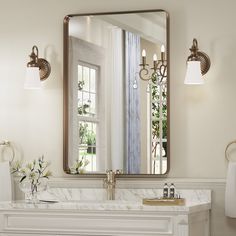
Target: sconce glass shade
32, 80
193, 73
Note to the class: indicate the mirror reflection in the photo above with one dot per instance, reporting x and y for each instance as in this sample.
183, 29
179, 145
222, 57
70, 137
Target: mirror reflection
117, 100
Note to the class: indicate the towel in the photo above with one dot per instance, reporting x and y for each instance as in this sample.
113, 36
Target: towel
5, 182
46, 196
230, 191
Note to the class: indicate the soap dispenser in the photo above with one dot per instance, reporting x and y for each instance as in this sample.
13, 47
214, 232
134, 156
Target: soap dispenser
165, 191
172, 190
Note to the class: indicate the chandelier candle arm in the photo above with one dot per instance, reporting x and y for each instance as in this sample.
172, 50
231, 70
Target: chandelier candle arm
144, 53
143, 71
162, 52
144, 64
155, 57
159, 66
155, 64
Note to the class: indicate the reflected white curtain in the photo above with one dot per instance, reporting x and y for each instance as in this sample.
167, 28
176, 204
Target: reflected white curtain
116, 89
133, 143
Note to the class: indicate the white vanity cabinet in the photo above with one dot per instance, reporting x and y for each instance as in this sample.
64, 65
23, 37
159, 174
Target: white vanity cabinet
110, 218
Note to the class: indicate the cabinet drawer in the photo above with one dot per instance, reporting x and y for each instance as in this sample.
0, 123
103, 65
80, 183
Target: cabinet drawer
24, 234
92, 223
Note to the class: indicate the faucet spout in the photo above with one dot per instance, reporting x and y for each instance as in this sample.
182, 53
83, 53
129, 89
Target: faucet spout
110, 184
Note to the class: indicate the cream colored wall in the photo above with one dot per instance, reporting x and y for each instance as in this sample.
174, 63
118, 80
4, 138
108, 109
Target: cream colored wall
203, 119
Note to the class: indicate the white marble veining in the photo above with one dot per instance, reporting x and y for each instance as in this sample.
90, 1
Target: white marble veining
96, 194
126, 200
102, 205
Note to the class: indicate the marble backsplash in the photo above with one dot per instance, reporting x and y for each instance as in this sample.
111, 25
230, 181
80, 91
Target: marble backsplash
99, 194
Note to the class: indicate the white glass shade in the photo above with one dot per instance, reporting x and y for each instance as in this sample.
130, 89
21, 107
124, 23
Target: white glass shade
193, 73
32, 79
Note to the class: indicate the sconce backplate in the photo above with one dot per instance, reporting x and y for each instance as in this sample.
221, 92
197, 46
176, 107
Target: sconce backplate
44, 68
205, 62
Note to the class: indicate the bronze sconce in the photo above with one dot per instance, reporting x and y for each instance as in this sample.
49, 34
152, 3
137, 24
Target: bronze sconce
198, 64
38, 69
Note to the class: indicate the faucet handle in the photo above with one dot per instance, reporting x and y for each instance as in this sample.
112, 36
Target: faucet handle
104, 183
119, 172
110, 177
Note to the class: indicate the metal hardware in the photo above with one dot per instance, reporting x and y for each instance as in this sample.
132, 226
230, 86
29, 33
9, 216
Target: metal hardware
226, 149
159, 69
197, 55
66, 80
7, 144
110, 184
35, 61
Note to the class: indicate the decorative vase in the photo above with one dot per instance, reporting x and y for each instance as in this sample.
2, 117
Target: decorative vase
31, 189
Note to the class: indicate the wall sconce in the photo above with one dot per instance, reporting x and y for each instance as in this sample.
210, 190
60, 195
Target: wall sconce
198, 64
159, 66
38, 69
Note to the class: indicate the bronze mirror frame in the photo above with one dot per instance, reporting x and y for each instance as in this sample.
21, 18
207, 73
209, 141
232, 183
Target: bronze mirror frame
65, 95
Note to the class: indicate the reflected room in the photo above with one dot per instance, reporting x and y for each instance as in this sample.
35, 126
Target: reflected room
118, 93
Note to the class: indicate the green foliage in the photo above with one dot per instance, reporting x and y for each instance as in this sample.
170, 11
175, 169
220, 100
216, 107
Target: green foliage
86, 136
156, 96
91, 138
83, 130
156, 112
83, 109
80, 85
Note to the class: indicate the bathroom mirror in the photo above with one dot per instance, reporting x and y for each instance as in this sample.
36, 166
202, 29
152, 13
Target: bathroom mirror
116, 93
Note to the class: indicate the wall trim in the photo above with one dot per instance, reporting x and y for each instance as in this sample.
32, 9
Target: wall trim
137, 183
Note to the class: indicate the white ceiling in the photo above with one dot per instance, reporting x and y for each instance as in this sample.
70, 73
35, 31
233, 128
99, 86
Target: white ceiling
150, 26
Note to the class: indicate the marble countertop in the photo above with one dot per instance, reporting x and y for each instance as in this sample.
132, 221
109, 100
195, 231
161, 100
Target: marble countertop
126, 200
103, 206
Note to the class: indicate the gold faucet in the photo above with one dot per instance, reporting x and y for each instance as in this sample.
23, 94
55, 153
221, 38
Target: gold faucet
110, 183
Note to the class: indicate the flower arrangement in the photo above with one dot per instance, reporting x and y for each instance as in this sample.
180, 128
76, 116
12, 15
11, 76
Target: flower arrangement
32, 175
78, 166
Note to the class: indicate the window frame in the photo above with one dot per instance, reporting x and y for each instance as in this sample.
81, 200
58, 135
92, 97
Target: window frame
90, 119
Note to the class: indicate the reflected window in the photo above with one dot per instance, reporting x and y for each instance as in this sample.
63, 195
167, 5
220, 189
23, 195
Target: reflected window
88, 115
158, 97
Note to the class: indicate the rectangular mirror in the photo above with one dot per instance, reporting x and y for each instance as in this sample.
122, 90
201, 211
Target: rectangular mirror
116, 93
